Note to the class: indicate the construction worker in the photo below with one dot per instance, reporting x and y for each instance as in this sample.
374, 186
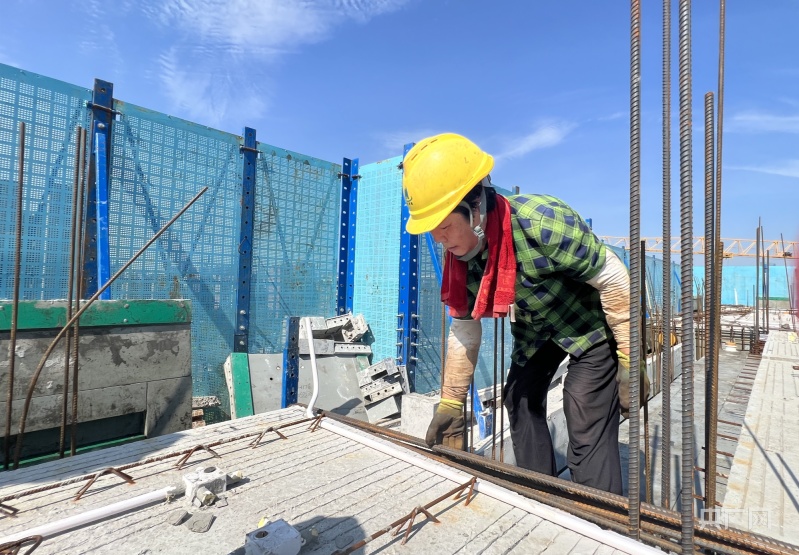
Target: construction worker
534, 259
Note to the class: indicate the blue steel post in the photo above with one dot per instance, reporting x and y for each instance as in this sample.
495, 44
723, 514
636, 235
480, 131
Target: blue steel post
102, 107
249, 159
408, 306
101, 201
346, 259
291, 362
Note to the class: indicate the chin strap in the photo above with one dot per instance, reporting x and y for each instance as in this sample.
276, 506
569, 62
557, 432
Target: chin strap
477, 229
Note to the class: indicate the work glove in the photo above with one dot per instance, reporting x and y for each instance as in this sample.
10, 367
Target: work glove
447, 426
623, 379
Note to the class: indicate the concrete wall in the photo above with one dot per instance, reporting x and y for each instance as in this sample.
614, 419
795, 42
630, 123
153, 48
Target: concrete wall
123, 370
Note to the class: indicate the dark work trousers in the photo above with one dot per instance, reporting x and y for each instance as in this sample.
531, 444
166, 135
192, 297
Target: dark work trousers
591, 407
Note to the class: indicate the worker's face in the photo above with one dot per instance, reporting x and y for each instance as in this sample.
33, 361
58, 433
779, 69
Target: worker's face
455, 234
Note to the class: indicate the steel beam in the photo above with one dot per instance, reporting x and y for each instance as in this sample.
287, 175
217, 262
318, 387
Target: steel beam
249, 157
346, 253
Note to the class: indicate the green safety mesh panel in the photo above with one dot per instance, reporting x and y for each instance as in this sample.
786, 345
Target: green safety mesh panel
158, 163
52, 110
377, 246
295, 242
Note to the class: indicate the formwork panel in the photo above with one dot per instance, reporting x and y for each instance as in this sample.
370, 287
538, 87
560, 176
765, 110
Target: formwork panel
51, 110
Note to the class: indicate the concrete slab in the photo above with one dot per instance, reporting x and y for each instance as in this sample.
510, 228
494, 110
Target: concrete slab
763, 488
320, 482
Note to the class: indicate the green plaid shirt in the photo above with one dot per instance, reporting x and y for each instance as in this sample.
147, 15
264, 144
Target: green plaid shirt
556, 253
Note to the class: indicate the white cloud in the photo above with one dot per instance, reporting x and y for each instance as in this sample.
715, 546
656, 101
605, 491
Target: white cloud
789, 168
220, 39
614, 116
545, 135
205, 95
763, 122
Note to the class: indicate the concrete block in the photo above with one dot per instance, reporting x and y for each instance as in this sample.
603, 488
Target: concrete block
168, 406
205, 484
383, 408
276, 538
417, 412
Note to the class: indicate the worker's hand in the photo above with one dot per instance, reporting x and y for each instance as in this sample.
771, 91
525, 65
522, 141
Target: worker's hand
447, 427
623, 379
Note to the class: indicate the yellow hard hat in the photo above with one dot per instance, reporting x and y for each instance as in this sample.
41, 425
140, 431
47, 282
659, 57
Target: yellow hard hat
438, 172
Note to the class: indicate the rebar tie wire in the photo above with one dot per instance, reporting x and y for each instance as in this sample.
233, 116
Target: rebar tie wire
254, 443
398, 524
187, 456
126, 477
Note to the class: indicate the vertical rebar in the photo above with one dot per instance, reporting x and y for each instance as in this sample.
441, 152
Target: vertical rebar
767, 289
686, 268
665, 369
47, 352
711, 292
757, 283
73, 444
494, 397
788, 284
502, 394
644, 350
635, 269
70, 286
12, 343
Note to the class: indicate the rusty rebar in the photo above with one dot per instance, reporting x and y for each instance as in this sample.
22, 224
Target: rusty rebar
16, 545
494, 397
12, 343
665, 369
686, 264
634, 464
712, 260
148, 460
710, 492
502, 395
409, 517
73, 444
70, 284
77, 315
126, 477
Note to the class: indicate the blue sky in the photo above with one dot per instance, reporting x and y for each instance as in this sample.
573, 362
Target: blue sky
544, 86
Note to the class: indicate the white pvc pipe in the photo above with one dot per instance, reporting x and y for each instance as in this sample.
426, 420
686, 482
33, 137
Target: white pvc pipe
561, 518
94, 515
309, 412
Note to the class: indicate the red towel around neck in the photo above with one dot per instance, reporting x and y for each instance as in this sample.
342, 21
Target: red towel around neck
498, 287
